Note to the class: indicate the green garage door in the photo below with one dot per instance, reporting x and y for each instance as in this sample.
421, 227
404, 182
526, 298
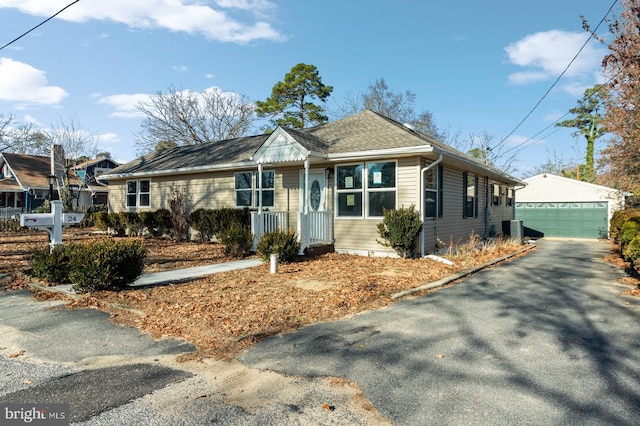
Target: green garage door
576, 220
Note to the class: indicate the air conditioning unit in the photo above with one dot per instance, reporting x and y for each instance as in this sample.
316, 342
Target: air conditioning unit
516, 229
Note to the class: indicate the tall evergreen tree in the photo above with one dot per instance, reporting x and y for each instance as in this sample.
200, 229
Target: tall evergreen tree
290, 103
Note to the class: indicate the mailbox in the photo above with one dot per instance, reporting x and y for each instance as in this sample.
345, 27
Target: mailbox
36, 219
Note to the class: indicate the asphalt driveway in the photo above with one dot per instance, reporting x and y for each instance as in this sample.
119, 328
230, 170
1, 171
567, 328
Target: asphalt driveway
543, 339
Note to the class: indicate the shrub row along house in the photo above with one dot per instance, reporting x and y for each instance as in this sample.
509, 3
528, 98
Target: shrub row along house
329, 183
24, 181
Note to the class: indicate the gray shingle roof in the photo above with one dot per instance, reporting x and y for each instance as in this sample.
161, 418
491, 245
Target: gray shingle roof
364, 131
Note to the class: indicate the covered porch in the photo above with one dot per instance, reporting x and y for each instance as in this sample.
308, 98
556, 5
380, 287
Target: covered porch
313, 220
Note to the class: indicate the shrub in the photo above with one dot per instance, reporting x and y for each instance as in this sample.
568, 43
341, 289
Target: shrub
163, 220
202, 221
237, 241
50, 265
89, 216
132, 222
400, 229
618, 219
631, 251
148, 221
102, 220
115, 223
105, 264
283, 243
629, 230
225, 219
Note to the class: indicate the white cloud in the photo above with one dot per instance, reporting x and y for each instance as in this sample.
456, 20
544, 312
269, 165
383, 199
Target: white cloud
210, 76
520, 141
108, 137
125, 105
180, 68
193, 17
545, 55
22, 83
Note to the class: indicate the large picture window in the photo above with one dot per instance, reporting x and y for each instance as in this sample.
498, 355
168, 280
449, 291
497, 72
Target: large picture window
247, 189
369, 188
433, 192
470, 187
138, 193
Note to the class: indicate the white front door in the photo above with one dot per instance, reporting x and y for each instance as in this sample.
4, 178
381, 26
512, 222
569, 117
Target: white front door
317, 191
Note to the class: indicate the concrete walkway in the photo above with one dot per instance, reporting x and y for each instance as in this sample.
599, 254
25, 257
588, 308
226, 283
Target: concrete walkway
170, 277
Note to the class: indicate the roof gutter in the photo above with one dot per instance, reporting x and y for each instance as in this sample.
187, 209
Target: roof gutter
471, 162
356, 155
227, 166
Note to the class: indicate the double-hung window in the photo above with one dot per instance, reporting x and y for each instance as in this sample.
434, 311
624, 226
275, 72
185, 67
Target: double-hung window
138, 193
495, 196
470, 195
247, 189
509, 197
366, 189
433, 192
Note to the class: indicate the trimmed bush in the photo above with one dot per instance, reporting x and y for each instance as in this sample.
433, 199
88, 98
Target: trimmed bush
629, 230
225, 219
89, 216
283, 243
50, 265
400, 229
131, 222
102, 220
631, 251
202, 221
115, 224
163, 220
237, 241
618, 219
108, 264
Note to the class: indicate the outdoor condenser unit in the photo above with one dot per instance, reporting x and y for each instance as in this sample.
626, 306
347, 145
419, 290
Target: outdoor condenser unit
516, 229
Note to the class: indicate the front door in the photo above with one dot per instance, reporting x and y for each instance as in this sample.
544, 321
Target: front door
317, 191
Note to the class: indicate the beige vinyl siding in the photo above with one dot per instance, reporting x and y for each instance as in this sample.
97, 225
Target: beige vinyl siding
360, 235
452, 227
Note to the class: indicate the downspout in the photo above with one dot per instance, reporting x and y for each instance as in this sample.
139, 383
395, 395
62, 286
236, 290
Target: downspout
487, 212
422, 172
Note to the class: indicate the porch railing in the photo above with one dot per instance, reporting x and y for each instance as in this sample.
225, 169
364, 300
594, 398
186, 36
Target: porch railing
9, 212
315, 228
264, 222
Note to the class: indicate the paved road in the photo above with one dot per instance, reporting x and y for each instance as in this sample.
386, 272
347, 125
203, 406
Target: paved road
545, 339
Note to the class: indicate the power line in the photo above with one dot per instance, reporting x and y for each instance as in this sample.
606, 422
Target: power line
534, 136
40, 24
558, 79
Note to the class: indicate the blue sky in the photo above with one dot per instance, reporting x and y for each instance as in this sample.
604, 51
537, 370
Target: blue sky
478, 67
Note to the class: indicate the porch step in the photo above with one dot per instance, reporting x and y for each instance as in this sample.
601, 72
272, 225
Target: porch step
318, 249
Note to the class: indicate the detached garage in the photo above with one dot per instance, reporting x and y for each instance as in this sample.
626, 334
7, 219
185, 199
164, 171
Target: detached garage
555, 206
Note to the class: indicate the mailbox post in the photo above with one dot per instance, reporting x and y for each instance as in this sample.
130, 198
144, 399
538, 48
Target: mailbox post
52, 222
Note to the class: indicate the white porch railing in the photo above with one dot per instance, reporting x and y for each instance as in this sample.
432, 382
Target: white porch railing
315, 228
9, 212
264, 222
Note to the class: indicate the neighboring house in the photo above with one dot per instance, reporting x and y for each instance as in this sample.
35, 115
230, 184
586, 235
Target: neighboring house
24, 183
555, 206
329, 183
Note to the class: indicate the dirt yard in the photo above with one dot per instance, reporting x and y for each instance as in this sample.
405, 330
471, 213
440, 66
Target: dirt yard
223, 314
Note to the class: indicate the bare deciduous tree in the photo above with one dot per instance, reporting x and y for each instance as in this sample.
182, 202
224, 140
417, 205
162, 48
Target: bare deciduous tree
185, 117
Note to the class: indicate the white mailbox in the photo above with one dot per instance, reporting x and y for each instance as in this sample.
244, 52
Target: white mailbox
51, 222
33, 220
